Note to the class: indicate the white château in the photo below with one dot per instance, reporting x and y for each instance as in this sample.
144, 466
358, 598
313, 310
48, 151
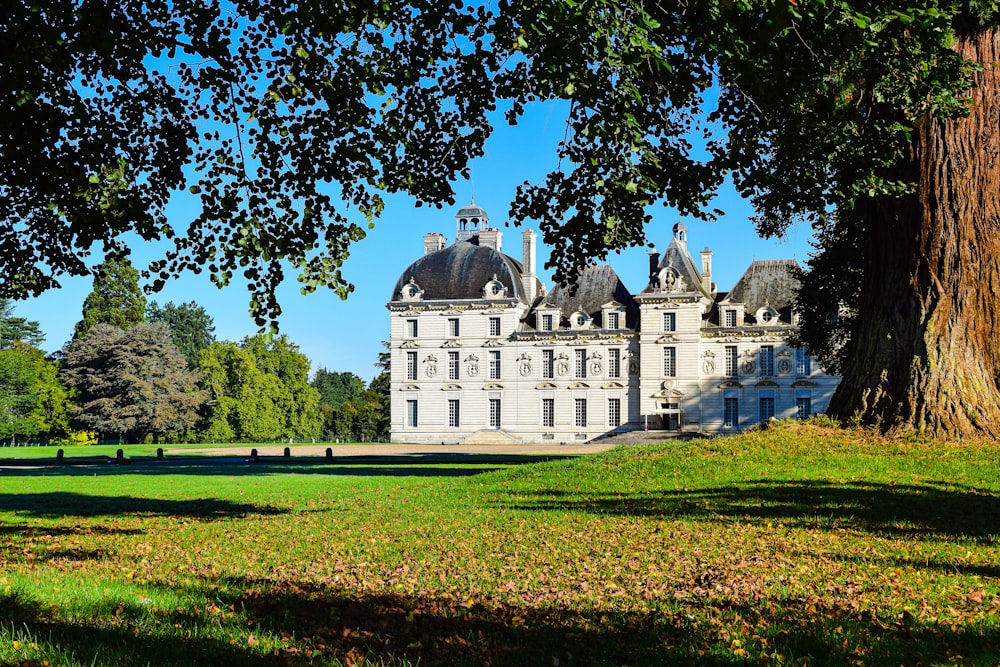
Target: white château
482, 352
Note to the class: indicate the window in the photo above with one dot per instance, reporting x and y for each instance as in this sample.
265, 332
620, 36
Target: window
614, 362
613, 320
614, 412
730, 317
581, 363
411, 365
453, 365
547, 322
454, 419
494, 364
803, 406
495, 413
767, 360
732, 361
453, 327
411, 328
548, 363
411, 413
803, 362
580, 411
494, 326
766, 408
730, 412
670, 321
670, 362
548, 412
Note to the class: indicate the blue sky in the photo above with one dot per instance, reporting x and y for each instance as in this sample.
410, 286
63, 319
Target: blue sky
345, 335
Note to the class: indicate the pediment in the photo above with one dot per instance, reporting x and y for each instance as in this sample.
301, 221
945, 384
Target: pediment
546, 385
613, 385
409, 344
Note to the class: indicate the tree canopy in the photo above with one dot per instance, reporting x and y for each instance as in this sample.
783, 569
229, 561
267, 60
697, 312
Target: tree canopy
191, 327
132, 382
116, 298
289, 120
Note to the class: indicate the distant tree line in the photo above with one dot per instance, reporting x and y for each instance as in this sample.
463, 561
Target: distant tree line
139, 372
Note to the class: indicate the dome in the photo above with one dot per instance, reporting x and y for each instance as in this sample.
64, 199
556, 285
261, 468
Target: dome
472, 213
461, 272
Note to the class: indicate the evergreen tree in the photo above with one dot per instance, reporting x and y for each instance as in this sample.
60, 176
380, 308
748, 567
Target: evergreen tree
116, 298
17, 329
191, 327
131, 383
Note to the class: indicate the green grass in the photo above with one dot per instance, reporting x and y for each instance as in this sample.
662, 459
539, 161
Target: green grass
796, 545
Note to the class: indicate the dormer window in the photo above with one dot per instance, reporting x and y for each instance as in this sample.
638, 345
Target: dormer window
547, 320
494, 289
729, 317
411, 291
767, 316
579, 320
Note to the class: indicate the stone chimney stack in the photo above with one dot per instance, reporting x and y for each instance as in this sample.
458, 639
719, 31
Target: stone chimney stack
706, 270
528, 278
654, 265
434, 242
489, 237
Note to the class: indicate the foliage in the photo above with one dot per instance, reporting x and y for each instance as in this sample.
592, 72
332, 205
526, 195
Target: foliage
792, 546
19, 400
131, 382
830, 292
363, 419
259, 391
17, 329
33, 402
334, 388
191, 327
115, 300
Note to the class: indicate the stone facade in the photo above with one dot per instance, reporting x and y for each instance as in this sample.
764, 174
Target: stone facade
481, 352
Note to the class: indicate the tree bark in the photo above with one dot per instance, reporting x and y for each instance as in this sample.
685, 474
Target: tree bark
926, 352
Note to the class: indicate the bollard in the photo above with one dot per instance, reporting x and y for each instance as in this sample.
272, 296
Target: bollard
288, 452
329, 454
253, 454
120, 457
59, 456
159, 453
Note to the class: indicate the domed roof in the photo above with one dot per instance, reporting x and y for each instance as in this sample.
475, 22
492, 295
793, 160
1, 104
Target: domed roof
460, 272
472, 212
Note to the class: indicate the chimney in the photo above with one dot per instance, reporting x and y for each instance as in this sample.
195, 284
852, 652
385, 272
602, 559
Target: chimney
528, 278
706, 270
489, 237
654, 265
434, 242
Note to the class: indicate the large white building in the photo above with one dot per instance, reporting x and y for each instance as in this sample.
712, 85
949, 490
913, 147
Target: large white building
481, 352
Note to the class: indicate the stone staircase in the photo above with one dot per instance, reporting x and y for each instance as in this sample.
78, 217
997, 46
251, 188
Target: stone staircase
491, 437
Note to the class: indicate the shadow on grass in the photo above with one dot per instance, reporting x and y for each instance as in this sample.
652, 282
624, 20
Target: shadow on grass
304, 624
61, 503
411, 465
924, 510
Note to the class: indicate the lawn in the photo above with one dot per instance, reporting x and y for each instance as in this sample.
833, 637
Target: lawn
796, 545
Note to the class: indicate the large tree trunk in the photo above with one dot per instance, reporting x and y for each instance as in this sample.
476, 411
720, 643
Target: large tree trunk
926, 352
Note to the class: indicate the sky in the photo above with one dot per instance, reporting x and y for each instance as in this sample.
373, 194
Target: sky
346, 335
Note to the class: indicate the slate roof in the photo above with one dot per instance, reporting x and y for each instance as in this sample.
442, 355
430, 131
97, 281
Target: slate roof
460, 271
595, 286
678, 257
768, 282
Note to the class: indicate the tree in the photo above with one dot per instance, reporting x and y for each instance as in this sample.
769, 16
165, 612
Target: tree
191, 327
808, 107
132, 382
116, 299
19, 399
17, 329
335, 388
259, 391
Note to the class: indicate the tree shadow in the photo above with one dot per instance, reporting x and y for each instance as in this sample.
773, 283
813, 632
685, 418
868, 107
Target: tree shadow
410, 465
56, 504
913, 510
319, 625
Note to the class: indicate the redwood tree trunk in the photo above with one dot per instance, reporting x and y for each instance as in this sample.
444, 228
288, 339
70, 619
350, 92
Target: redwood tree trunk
927, 346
